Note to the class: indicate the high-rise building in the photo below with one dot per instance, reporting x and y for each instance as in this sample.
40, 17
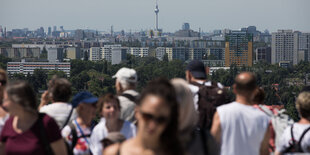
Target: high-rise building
21, 52
185, 26
304, 45
73, 53
119, 54
95, 54
55, 54
179, 53
79, 34
284, 46
49, 31
160, 53
196, 53
263, 54
238, 49
54, 28
139, 51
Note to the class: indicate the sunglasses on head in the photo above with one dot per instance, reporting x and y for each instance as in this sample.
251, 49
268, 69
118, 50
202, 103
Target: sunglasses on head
158, 120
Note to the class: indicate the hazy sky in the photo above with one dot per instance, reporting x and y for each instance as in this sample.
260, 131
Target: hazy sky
139, 14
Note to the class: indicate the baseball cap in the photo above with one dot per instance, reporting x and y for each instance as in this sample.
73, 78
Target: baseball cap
84, 97
197, 69
126, 74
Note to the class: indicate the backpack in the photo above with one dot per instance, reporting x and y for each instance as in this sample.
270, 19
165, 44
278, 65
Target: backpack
296, 146
73, 132
209, 98
279, 120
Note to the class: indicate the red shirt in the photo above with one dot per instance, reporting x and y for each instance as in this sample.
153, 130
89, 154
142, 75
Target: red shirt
29, 142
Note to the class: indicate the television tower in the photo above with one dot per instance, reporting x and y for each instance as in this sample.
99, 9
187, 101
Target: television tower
156, 12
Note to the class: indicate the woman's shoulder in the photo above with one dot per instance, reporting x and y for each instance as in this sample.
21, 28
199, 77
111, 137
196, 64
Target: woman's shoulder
117, 148
112, 150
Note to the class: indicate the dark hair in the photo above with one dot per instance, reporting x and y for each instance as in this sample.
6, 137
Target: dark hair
245, 85
3, 77
59, 89
258, 95
163, 88
107, 98
21, 92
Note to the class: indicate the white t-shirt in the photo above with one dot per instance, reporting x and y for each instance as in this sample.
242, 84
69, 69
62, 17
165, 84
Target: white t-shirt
82, 145
195, 90
298, 129
59, 111
100, 132
243, 128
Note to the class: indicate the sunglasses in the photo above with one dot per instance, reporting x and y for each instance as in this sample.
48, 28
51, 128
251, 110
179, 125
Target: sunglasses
158, 120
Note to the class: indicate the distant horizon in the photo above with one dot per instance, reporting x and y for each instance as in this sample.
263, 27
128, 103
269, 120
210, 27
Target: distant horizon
137, 15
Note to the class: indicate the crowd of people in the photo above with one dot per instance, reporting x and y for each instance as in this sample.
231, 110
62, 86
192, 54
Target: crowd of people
189, 116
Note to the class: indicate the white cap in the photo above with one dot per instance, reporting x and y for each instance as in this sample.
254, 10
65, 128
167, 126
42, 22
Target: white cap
126, 74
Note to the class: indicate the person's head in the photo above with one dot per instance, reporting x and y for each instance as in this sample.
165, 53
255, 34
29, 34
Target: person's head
258, 96
112, 138
85, 104
126, 79
195, 70
109, 106
59, 89
157, 114
303, 105
3, 81
187, 114
245, 84
19, 97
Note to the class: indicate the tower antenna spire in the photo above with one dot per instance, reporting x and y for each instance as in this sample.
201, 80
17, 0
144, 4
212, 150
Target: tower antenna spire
156, 12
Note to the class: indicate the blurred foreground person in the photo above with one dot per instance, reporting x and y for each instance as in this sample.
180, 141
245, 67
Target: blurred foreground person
59, 93
28, 132
4, 115
112, 138
157, 116
77, 133
238, 127
109, 108
125, 84
296, 138
195, 141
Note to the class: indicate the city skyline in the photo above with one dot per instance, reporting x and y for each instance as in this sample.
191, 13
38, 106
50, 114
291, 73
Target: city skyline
207, 15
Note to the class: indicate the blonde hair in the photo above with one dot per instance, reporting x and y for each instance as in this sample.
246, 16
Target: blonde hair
303, 105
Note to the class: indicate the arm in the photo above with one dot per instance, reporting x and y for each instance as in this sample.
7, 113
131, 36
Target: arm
265, 143
216, 128
44, 100
59, 147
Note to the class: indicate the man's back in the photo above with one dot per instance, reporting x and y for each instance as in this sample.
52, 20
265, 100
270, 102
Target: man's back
128, 105
243, 128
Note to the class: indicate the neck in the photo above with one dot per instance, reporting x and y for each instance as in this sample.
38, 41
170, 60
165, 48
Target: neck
3, 113
83, 122
26, 116
303, 121
242, 100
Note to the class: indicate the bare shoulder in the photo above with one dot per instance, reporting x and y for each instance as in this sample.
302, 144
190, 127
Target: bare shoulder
112, 150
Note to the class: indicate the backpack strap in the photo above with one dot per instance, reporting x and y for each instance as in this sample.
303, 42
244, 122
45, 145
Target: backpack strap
291, 145
47, 147
74, 135
300, 139
68, 118
129, 97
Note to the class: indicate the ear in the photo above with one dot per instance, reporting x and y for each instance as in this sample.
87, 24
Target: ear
234, 89
137, 114
188, 76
